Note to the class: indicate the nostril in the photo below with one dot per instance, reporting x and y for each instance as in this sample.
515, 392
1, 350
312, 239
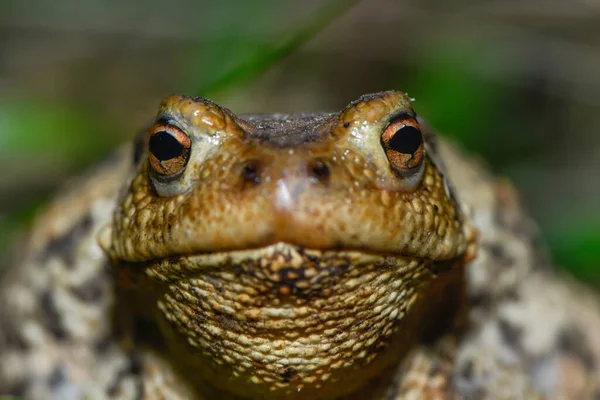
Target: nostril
320, 171
250, 173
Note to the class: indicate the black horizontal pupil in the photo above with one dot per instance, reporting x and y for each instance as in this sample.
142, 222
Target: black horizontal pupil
406, 140
165, 146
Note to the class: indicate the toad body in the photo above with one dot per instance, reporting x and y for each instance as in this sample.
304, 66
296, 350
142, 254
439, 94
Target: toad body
309, 256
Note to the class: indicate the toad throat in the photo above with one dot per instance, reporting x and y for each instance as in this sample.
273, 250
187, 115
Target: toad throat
286, 321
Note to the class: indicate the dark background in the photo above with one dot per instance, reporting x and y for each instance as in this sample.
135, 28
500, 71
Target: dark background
515, 81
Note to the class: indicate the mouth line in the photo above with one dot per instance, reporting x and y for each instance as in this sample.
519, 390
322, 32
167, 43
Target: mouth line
238, 256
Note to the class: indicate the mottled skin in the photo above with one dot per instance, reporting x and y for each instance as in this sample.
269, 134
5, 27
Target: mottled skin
290, 257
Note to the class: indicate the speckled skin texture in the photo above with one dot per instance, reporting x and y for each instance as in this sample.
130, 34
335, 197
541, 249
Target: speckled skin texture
286, 258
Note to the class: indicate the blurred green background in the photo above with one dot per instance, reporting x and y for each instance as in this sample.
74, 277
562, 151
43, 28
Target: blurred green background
515, 81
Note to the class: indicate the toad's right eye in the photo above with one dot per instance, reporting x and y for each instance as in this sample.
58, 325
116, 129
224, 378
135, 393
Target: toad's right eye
402, 141
169, 149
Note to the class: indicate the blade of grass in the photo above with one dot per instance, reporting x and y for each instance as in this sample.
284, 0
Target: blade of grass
251, 59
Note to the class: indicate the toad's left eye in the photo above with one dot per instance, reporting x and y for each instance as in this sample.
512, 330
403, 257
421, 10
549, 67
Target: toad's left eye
169, 149
403, 144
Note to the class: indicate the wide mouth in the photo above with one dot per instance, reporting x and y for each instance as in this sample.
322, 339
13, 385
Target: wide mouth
239, 255
282, 255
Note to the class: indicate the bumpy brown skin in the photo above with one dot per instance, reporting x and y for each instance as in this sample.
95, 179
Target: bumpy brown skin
257, 272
